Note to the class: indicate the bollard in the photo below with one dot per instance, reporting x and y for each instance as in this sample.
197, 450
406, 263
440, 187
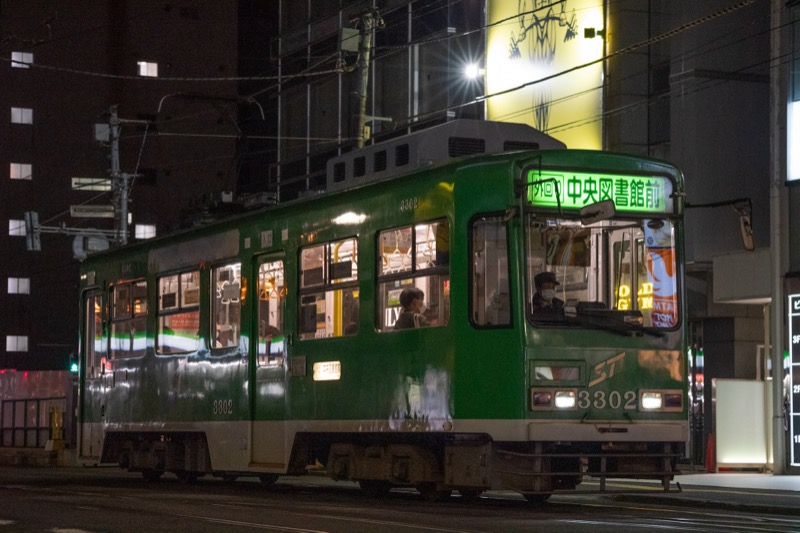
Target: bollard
711, 463
56, 442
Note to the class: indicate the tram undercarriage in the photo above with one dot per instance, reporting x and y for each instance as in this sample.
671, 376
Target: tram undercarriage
528, 468
469, 465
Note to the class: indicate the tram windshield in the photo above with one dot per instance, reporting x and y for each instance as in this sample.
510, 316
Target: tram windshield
610, 274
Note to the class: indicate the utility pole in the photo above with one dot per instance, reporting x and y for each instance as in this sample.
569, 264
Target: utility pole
120, 183
369, 20
90, 239
776, 243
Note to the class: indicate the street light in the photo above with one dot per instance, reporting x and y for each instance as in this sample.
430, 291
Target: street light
472, 71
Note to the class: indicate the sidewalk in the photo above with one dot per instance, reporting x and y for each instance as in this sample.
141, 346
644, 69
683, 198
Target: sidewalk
760, 493
743, 481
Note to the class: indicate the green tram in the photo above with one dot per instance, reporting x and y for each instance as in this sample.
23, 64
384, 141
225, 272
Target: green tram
269, 343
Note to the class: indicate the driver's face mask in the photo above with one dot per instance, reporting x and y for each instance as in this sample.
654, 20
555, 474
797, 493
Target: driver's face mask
548, 294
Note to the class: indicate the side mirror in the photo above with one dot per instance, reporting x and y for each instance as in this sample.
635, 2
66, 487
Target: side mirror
598, 211
746, 228
745, 212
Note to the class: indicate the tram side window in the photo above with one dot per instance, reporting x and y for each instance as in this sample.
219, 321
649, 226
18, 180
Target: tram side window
329, 289
414, 257
128, 319
490, 293
271, 296
227, 305
94, 347
178, 313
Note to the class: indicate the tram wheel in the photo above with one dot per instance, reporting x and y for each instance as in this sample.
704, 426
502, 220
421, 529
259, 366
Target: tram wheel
268, 479
537, 499
430, 493
152, 475
469, 495
187, 477
374, 488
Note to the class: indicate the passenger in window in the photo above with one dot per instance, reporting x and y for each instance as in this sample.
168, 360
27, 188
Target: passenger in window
442, 244
545, 300
225, 339
498, 310
412, 300
352, 327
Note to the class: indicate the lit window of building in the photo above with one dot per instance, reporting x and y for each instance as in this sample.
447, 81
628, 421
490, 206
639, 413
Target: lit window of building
147, 69
145, 231
21, 59
21, 115
16, 228
19, 285
20, 171
16, 343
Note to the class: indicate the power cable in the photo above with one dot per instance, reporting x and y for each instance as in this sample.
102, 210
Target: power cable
624, 50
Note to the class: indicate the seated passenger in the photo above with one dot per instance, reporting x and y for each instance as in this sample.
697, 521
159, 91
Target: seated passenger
412, 300
545, 301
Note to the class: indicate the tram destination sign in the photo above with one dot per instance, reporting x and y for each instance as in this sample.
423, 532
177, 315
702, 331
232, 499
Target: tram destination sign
630, 193
794, 354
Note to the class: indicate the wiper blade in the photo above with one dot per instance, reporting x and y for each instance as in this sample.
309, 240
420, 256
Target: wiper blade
610, 320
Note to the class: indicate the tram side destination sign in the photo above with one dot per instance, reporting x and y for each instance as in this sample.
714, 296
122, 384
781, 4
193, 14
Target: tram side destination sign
630, 193
794, 354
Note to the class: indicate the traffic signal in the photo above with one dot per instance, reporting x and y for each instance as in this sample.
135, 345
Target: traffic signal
73, 363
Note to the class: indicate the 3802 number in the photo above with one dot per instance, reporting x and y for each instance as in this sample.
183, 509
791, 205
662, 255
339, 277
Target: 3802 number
223, 407
613, 400
409, 204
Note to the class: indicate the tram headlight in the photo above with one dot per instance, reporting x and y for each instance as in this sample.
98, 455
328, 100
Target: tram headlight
565, 399
651, 400
661, 400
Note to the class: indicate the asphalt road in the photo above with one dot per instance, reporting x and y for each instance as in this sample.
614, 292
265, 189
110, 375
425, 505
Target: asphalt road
108, 499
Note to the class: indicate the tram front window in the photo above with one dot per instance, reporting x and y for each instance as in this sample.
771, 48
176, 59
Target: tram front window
620, 272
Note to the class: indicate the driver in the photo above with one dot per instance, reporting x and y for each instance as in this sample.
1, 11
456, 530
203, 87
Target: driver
545, 301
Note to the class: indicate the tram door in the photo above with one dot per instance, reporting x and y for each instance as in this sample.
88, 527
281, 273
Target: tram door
93, 356
269, 355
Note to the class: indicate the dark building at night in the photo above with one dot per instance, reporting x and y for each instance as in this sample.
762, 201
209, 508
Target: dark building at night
163, 66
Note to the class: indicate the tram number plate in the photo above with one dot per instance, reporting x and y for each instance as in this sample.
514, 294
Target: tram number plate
608, 400
409, 204
223, 407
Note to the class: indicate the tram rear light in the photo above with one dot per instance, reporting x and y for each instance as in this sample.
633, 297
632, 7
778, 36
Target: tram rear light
651, 400
565, 399
673, 401
541, 399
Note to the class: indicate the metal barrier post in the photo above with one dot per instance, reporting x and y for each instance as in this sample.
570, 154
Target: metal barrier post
56, 441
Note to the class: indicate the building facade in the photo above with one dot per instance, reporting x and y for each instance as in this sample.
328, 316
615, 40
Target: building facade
63, 70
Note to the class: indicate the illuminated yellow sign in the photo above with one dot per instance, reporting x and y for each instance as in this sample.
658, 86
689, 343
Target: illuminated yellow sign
544, 71
644, 296
327, 371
